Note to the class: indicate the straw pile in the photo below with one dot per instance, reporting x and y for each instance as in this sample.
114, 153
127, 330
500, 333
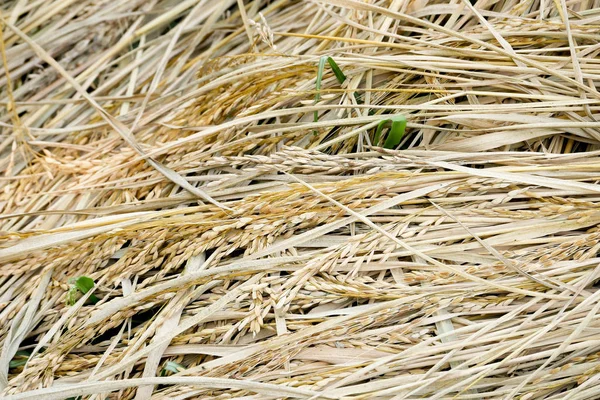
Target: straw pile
168, 151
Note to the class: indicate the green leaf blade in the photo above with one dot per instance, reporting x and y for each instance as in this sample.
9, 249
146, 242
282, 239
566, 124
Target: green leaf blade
336, 70
84, 284
396, 133
318, 84
173, 367
378, 132
20, 358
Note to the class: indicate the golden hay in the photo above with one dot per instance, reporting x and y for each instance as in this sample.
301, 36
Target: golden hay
241, 248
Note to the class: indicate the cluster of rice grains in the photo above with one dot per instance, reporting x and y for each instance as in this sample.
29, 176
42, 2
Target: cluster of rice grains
236, 245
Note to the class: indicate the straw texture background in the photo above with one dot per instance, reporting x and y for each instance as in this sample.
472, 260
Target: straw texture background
240, 250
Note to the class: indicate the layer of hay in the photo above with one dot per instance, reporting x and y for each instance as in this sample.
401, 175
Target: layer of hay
168, 150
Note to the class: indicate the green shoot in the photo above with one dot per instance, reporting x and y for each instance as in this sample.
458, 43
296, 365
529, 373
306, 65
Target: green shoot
84, 284
19, 359
319, 78
173, 367
341, 77
395, 134
79, 287
336, 70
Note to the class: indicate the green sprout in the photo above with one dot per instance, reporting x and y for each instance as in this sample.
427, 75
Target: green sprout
319, 78
79, 287
395, 134
19, 359
173, 367
336, 70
